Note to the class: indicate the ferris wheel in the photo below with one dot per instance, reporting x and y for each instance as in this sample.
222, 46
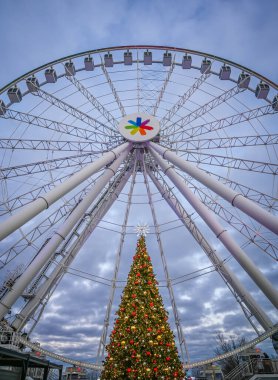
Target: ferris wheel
97, 142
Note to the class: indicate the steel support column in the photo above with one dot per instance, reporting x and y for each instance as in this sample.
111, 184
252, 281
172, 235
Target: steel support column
59, 236
69, 253
222, 268
236, 199
32, 209
211, 221
103, 338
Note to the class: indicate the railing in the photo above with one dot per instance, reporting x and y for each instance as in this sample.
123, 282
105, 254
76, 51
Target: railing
252, 367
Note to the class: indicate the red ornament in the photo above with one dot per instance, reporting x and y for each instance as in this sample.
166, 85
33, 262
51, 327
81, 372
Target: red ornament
168, 358
133, 313
131, 341
138, 274
129, 370
151, 304
155, 369
133, 296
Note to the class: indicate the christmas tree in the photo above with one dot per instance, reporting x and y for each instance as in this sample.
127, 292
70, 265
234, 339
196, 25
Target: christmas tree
141, 343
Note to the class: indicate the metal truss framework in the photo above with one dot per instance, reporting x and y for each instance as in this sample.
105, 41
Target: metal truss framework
77, 216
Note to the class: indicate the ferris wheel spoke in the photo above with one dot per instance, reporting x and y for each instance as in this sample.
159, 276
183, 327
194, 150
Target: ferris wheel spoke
94, 101
52, 125
100, 130
163, 88
194, 115
184, 98
231, 162
43, 166
113, 89
220, 124
49, 145
229, 142
254, 236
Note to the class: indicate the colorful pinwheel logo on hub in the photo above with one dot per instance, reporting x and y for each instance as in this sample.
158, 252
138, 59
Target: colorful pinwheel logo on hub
139, 126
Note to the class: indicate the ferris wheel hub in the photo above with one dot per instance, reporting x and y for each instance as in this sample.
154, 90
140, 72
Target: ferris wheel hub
139, 127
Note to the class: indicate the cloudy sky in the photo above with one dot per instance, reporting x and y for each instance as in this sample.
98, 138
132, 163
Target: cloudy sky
36, 32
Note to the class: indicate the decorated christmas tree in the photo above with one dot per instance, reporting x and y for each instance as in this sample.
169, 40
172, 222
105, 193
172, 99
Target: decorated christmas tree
141, 343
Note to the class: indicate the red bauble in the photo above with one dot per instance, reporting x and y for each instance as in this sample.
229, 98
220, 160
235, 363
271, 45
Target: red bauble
168, 358
151, 304
133, 296
155, 369
129, 370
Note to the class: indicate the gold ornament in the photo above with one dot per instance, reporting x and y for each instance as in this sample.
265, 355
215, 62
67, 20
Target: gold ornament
123, 343
159, 337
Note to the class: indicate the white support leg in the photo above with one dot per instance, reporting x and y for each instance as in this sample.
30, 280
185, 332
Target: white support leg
58, 237
211, 221
32, 209
250, 208
71, 252
213, 256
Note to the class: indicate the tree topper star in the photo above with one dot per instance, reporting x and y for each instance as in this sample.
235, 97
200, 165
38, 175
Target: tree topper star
142, 229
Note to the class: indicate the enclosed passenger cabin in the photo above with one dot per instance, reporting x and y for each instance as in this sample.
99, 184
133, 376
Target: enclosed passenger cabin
186, 62
243, 80
50, 75
89, 64
262, 90
275, 107
167, 59
14, 94
127, 58
205, 66
2, 107
148, 58
32, 84
225, 72
108, 60
70, 68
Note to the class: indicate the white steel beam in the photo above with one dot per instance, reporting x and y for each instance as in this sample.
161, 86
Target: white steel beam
32, 209
228, 142
236, 199
163, 88
43, 166
216, 125
113, 89
94, 101
53, 145
69, 252
53, 125
212, 254
212, 222
102, 342
184, 98
99, 128
184, 121
45, 254
231, 162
